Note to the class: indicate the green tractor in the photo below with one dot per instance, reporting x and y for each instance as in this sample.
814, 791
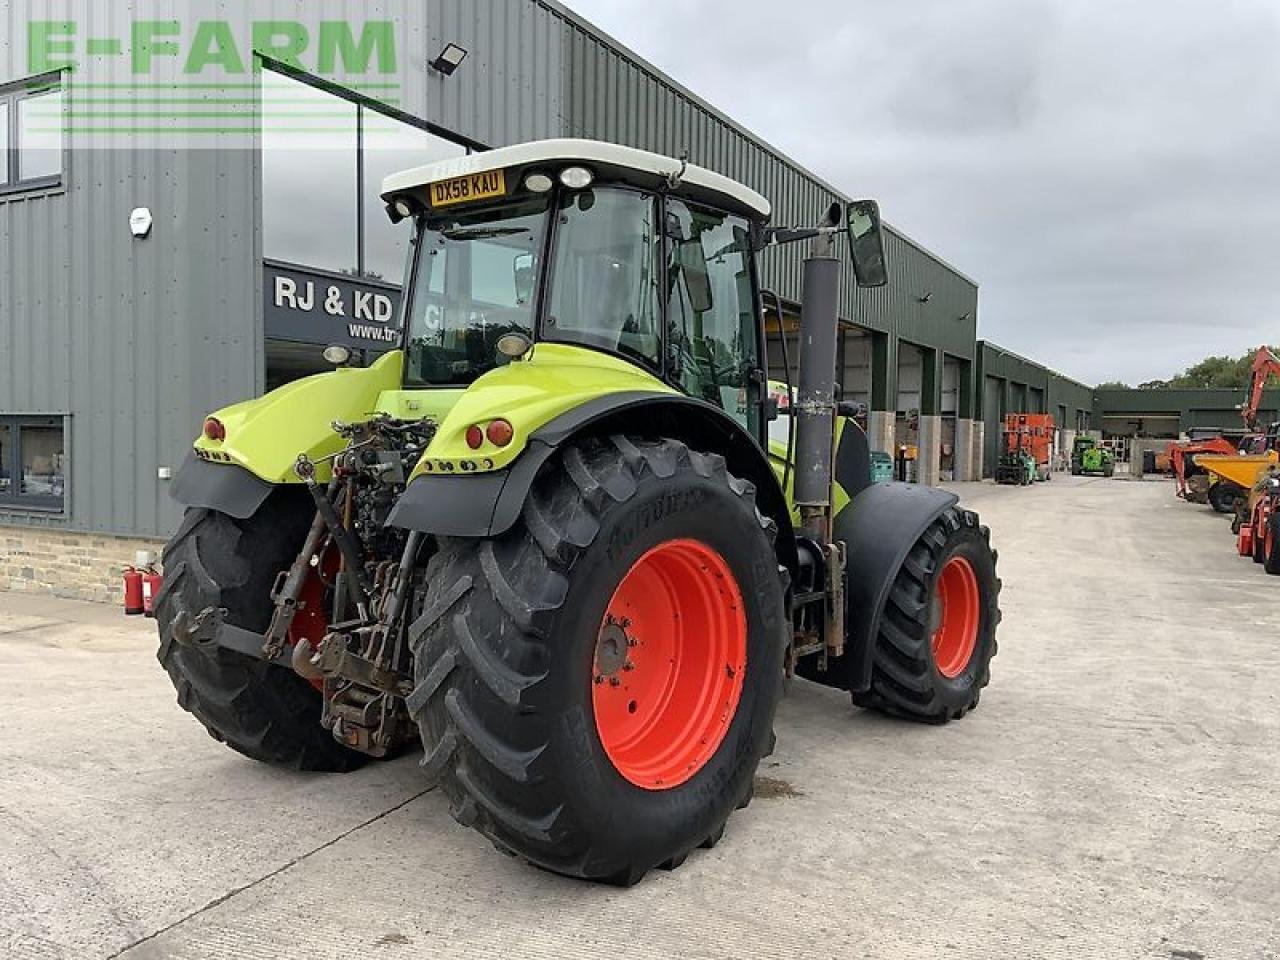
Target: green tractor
1090, 458
1016, 464
551, 543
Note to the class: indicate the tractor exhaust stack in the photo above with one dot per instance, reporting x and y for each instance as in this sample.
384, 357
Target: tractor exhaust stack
815, 402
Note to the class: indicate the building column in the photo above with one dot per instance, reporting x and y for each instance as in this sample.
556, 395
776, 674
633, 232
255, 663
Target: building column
884, 392
963, 459
979, 445
928, 464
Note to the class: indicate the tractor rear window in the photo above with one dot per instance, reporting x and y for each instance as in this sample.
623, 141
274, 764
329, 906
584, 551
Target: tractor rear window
474, 282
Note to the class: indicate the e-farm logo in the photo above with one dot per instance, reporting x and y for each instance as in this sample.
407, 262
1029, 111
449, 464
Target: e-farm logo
205, 76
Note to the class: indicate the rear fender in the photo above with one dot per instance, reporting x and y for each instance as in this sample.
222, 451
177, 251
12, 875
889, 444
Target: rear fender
486, 505
879, 528
224, 487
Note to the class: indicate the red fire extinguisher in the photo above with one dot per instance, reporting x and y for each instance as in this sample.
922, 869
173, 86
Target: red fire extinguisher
133, 604
151, 583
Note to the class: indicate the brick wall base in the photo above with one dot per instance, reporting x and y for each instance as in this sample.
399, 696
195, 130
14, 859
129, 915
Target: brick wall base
76, 566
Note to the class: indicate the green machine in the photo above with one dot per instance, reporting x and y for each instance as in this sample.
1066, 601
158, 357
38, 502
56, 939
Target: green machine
1090, 458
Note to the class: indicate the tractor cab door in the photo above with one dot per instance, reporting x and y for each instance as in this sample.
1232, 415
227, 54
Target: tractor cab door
713, 327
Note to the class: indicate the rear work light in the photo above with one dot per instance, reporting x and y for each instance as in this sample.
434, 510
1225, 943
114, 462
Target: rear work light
214, 430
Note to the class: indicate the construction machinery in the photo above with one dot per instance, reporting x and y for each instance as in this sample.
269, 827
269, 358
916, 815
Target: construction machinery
1091, 458
1039, 431
1193, 481
1232, 479
1258, 525
1016, 465
1233, 476
549, 541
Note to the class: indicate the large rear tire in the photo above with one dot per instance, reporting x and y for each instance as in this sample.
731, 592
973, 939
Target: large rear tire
574, 716
261, 710
932, 656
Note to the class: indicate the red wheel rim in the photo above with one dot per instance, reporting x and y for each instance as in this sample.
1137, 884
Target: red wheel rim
959, 610
670, 659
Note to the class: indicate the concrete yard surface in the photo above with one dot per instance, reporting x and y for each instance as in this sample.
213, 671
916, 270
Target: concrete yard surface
1116, 795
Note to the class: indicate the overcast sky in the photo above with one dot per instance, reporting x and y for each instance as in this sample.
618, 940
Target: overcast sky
1109, 172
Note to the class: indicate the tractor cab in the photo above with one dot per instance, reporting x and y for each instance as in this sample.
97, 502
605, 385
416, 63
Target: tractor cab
583, 244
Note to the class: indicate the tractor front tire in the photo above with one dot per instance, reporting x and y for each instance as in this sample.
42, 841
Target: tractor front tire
596, 686
261, 710
932, 656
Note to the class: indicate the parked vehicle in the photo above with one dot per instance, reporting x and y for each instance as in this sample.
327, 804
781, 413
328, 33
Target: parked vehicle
1090, 458
549, 540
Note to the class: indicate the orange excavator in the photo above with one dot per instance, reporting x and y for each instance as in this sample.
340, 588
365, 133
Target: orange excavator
1265, 365
1193, 480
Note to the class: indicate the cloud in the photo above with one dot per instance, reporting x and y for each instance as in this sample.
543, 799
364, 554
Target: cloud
1109, 173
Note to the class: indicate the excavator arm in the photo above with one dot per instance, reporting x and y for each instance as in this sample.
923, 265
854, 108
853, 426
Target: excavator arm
1265, 364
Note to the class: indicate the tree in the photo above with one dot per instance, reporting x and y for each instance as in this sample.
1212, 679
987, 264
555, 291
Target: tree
1223, 373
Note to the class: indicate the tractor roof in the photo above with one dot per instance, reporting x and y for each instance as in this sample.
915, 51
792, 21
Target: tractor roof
606, 159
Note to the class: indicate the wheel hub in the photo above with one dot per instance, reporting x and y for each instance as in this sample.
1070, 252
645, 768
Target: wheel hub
612, 647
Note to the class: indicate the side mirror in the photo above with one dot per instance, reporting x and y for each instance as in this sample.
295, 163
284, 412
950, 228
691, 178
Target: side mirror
524, 277
866, 244
693, 267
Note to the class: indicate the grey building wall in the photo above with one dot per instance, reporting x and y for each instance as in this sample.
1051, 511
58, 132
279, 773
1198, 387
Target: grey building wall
133, 340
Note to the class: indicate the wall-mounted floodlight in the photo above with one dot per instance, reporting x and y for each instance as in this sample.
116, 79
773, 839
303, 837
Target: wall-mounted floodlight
926, 298
449, 59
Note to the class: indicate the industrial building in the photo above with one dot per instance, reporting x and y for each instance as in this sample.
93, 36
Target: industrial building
1171, 413
141, 282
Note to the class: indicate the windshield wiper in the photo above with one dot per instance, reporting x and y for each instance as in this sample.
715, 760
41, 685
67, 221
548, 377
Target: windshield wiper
481, 233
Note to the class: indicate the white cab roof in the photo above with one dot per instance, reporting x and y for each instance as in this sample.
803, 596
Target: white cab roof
567, 151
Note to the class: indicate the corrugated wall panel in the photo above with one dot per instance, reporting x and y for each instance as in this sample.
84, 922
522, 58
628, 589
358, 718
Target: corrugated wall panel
135, 339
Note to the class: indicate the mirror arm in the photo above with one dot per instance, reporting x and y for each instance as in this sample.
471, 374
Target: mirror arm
776, 236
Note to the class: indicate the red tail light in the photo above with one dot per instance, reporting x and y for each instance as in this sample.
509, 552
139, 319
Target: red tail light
499, 433
474, 437
214, 430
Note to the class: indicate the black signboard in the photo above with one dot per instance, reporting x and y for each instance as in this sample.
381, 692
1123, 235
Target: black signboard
316, 306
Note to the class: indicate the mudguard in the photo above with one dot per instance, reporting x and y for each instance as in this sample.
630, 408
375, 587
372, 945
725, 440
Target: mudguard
225, 487
487, 504
879, 527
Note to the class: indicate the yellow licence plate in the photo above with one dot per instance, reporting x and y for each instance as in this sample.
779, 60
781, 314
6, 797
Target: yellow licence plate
474, 186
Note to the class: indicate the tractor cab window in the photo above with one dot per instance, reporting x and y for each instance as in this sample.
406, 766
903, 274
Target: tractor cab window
711, 321
605, 274
474, 282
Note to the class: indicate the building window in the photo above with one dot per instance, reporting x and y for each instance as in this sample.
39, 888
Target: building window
325, 152
324, 157
31, 134
32, 462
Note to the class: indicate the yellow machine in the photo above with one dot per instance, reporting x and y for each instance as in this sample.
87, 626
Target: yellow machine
1234, 476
